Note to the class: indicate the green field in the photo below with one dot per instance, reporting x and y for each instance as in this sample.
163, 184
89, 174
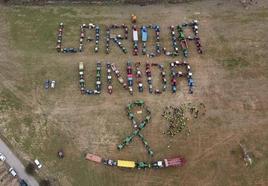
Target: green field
231, 80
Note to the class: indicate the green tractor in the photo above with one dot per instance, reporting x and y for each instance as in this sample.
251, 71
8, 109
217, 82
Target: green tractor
150, 152
142, 125
130, 106
181, 36
147, 119
139, 102
130, 115
120, 146
143, 165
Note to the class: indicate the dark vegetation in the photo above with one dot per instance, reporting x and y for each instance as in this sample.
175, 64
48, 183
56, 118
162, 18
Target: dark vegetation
45, 183
30, 168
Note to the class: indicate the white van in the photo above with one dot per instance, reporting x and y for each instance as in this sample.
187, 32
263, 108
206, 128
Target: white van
2, 157
12, 172
38, 164
52, 85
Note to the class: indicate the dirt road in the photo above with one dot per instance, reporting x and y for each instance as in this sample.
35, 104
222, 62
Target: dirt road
14, 162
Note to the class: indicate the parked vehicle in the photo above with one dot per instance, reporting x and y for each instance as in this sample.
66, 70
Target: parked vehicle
12, 172
97, 36
69, 50
98, 77
89, 92
53, 83
165, 163
126, 164
47, 84
37, 163
81, 66
144, 34
135, 40
93, 157
172, 162
178, 74
143, 165
109, 78
2, 157
135, 33
59, 37
23, 183
110, 162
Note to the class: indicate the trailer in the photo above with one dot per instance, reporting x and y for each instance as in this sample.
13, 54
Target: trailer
144, 34
126, 164
81, 66
171, 162
92, 157
168, 162
174, 162
135, 40
135, 35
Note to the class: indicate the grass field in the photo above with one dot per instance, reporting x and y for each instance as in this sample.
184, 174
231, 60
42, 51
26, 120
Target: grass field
231, 80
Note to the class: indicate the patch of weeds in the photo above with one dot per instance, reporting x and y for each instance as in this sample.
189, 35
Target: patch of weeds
14, 128
27, 120
232, 63
222, 38
66, 11
9, 101
27, 143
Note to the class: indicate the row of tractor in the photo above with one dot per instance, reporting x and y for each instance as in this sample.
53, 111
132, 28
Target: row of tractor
83, 28
124, 27
183, 41
108, 36
59, 41
177, 74
59, 37
120, 78
138, 75
157, 37
137, 126
130, 77
196, 38
163, 78
119, 44
117, 39
135, 40
165, 163
109, 78
175, 46
97, 38
149, 77
83, 89
82, 36
144, 39
81, 71
98, 77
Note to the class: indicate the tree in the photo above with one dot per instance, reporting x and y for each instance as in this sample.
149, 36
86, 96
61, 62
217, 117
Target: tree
30, 168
